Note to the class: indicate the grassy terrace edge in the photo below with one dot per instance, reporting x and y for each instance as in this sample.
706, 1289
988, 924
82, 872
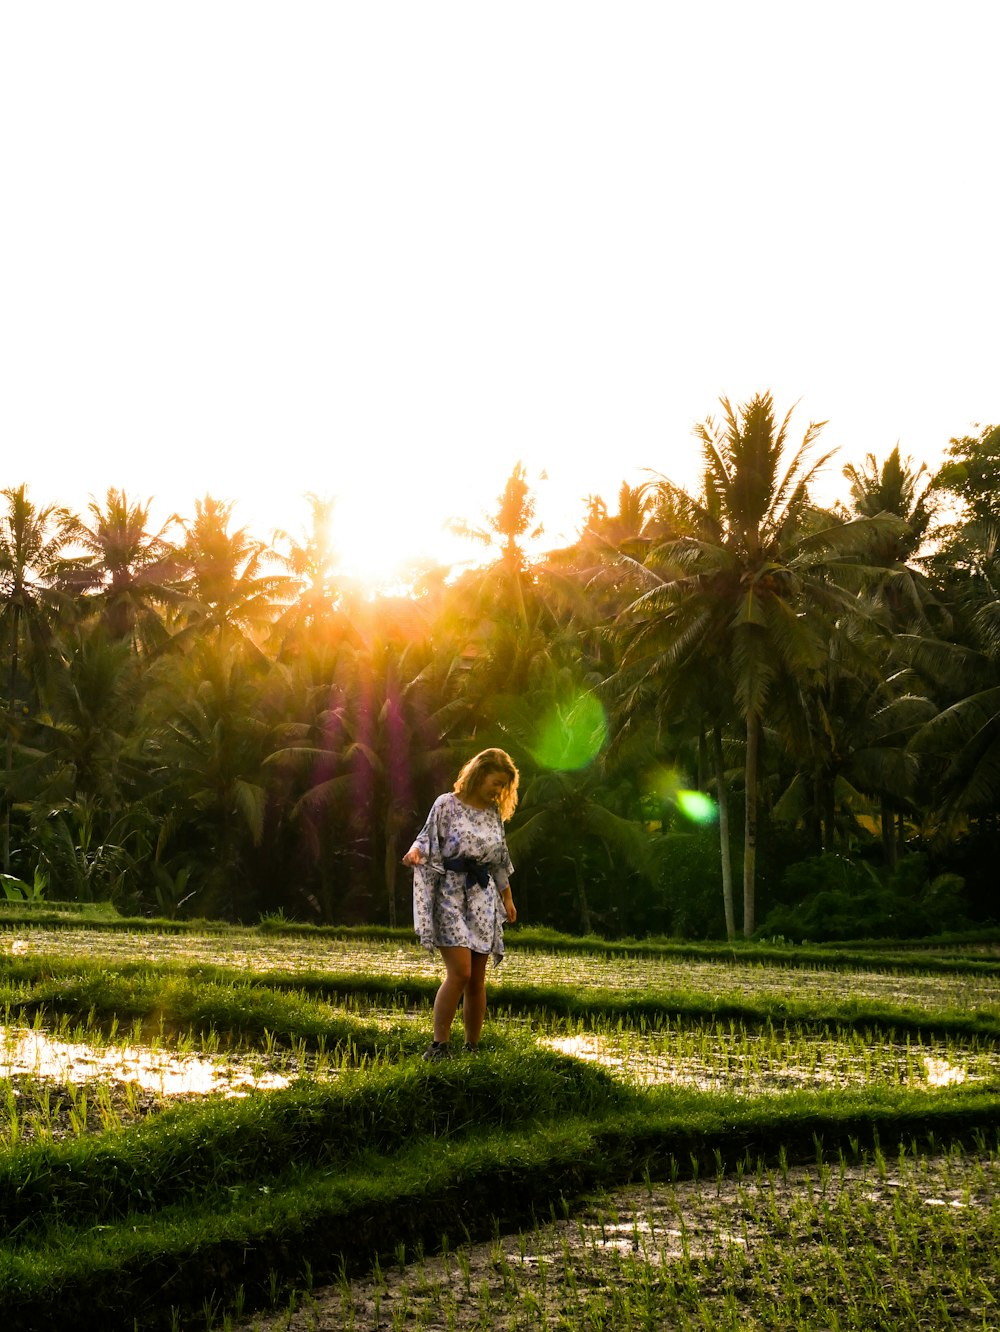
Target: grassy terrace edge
898, 955
316, 1224
285, 1006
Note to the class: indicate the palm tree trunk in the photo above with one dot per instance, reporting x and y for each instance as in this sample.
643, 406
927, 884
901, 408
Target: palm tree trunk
829, 814
9, 753
586, 924
888, 821
725, 850
750, 824
391, 859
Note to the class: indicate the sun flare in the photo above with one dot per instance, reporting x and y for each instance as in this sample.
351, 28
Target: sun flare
386, 546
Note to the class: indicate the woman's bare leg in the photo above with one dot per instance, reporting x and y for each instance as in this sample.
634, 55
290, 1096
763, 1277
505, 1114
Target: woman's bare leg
474, 1004
458, 969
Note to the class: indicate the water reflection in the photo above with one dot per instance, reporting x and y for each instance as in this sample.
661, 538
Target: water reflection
666, 974
650, 1061
942, 1074
24, 1051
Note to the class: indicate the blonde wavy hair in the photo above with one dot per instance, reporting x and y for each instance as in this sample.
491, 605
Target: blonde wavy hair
482, 766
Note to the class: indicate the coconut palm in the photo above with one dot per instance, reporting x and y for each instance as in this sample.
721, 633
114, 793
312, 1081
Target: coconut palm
897, 486
373, 753
310, 562
128, 573
753, 585
566, 821
502, 588
209, 734
847, 744
228, 585
963, 740
81, 771
33, 545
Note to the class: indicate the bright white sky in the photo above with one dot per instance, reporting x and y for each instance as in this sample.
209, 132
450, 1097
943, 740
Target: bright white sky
383, 251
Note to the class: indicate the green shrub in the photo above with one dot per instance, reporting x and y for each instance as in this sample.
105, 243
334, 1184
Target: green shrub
831, 898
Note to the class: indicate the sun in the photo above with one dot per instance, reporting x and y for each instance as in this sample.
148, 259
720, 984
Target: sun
386, 549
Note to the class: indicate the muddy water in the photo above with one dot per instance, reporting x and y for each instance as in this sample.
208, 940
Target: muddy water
725, 1247
26, 1052
747, 1068
723, 982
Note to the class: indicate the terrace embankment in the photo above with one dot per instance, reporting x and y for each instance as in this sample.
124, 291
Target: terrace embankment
828, 1245
327, 1146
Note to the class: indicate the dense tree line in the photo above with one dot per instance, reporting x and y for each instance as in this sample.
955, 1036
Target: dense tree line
732, 708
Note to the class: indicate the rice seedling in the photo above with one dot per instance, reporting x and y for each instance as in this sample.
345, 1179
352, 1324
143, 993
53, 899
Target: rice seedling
771, 1252
743, 976
718, 1075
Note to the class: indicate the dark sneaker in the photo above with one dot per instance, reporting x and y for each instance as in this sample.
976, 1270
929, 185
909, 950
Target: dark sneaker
437, 1050
468, 1048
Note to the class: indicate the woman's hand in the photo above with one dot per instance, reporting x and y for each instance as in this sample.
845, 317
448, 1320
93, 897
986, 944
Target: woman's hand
413, 857
509, 907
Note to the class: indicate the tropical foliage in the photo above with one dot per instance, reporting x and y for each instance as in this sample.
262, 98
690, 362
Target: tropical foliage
710, 687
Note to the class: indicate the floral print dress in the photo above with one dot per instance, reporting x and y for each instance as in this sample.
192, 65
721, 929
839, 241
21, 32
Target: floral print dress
448, 909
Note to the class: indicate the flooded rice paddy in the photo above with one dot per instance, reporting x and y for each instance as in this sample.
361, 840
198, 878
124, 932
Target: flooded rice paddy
707, 1055
852, 1242
900, 1242
743, 1068
27, 1052
721, 982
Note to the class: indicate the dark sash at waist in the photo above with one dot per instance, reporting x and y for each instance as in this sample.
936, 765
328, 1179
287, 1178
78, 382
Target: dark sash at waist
474, 870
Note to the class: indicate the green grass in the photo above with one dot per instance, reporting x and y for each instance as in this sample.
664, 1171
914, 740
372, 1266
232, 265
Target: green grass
336, 1218
909, 1241
211, 1206
301, 1005
948, 953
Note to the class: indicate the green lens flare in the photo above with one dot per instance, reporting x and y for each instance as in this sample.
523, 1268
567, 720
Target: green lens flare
571, 735
696, 806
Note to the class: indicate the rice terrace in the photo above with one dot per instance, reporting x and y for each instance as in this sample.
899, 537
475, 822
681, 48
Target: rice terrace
212, 1126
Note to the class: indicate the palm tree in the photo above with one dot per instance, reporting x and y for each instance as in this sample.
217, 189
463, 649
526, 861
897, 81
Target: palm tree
228, 585
753, 584
374, 750
503, 586
846, 743
310, 563
32, 559
86, 774
209, 734
897, 487
964, 738
128, 572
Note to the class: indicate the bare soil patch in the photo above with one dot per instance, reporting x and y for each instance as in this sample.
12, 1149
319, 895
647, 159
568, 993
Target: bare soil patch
772, 1249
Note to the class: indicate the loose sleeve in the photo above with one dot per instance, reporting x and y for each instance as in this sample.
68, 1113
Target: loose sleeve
502, 869
428, 874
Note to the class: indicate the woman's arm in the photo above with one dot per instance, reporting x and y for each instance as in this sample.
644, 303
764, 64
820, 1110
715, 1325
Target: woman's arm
426, 843
508, 904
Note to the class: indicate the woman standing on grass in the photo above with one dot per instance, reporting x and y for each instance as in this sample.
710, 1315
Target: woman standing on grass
461, 889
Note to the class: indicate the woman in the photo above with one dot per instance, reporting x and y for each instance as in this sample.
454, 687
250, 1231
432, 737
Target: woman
461, 889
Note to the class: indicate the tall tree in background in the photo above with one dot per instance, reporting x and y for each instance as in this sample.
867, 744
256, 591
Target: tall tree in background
33, 546
964, 737
210, 723
128, 573
752, 583
898, 487
229, 587
310, 562
503, 585
969, 473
